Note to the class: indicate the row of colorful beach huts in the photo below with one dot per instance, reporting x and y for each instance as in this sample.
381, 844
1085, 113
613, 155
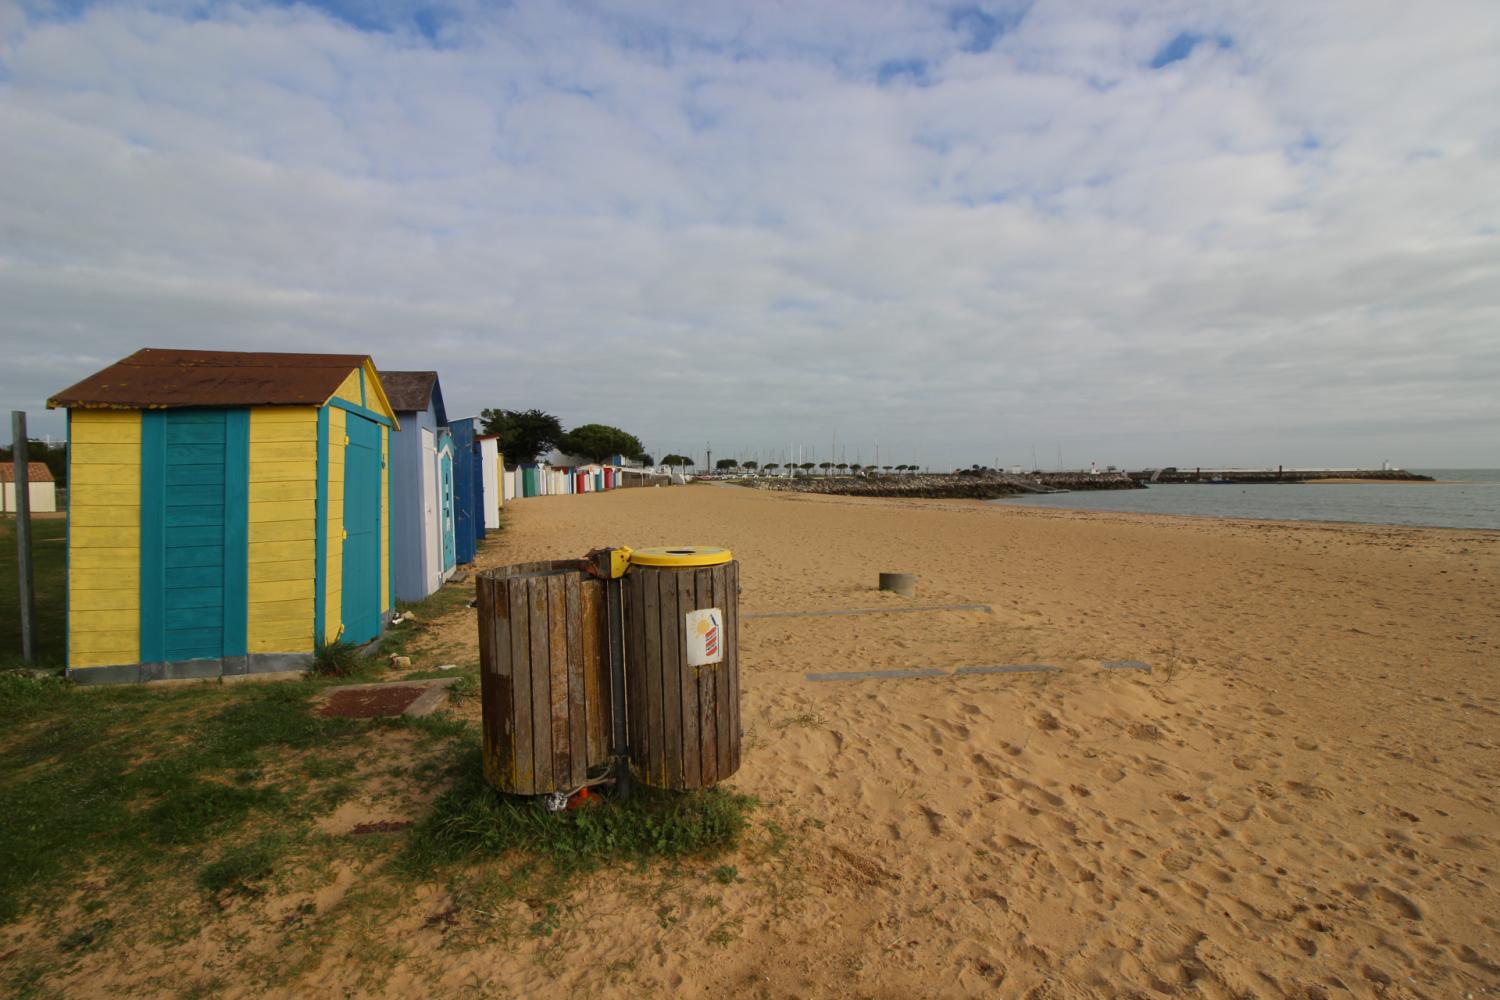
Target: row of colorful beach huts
230, 512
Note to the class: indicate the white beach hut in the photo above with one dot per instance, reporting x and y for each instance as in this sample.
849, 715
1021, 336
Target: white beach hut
42, 492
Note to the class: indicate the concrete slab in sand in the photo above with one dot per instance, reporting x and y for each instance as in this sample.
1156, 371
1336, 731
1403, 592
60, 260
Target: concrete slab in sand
1126, 665
388, 699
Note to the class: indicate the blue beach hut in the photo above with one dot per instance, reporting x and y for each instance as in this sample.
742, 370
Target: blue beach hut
468, 486
424, 551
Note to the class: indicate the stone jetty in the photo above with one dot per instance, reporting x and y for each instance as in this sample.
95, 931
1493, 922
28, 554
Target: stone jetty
947, 486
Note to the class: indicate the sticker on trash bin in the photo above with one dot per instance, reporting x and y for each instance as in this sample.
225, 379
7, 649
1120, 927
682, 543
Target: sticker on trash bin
705, 634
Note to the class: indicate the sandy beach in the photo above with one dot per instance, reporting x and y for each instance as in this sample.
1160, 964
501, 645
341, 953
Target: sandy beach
1297, 801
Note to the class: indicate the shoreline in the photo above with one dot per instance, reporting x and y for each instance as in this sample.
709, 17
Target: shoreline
1020, 503
1387, 482
1230, 519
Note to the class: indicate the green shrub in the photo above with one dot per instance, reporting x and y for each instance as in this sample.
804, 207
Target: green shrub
336, 659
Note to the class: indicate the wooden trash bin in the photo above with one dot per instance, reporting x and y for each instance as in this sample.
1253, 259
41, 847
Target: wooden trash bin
684, 717
544, 676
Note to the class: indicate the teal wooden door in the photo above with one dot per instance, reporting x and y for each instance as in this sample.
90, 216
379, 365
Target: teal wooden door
361, 593
194, 533
446, 481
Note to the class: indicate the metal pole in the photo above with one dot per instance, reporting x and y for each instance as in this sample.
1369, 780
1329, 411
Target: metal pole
614, 597
27, 600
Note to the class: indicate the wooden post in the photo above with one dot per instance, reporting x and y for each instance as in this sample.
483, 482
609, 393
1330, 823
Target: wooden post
26, 596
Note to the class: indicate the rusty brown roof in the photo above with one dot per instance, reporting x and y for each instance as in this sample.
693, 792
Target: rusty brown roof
153, 377
38, 472
408, 391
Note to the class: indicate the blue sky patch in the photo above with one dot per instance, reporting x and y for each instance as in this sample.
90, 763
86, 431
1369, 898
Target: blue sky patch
1182, 45
981, 28
912, 68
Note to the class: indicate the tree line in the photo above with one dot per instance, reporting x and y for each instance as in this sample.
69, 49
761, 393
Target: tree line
525, 435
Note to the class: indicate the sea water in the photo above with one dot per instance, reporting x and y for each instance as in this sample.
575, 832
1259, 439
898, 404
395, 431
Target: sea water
1462, 498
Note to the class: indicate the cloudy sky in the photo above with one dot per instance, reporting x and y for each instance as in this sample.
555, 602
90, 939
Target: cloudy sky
1154, 233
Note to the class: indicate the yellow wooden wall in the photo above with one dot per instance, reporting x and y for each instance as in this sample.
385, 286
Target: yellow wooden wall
349, 390
283, 528
333, 611
104, 538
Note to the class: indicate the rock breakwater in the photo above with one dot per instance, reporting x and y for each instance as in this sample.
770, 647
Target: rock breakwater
946, 486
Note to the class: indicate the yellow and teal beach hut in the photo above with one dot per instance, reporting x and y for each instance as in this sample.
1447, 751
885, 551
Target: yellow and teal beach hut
227, 512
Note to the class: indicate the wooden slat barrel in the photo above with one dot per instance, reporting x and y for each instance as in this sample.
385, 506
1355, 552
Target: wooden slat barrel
684, 720
544, 676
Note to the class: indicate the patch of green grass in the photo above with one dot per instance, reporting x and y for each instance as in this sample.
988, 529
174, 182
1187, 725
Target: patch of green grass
445, 600
23, 696
243, 870
442, 602
129, 778
200, 810
470, 670
49, 569
461, 690
471, 821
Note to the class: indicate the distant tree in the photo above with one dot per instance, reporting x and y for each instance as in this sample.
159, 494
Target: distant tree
842, 466
888, 468
598, 442
772, 466
524, 434
825, 466
750, 466
677, 460
724, 463
647, 460
806, 466
854, 468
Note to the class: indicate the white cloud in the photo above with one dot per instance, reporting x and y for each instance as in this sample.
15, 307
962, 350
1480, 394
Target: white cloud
712, 222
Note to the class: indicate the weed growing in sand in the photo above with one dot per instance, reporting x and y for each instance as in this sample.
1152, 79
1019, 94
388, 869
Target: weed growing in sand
726, 932
783, 877
337, 659
807, 720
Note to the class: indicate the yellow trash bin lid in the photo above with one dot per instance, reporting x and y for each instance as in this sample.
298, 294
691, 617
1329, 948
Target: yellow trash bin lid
681, 556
